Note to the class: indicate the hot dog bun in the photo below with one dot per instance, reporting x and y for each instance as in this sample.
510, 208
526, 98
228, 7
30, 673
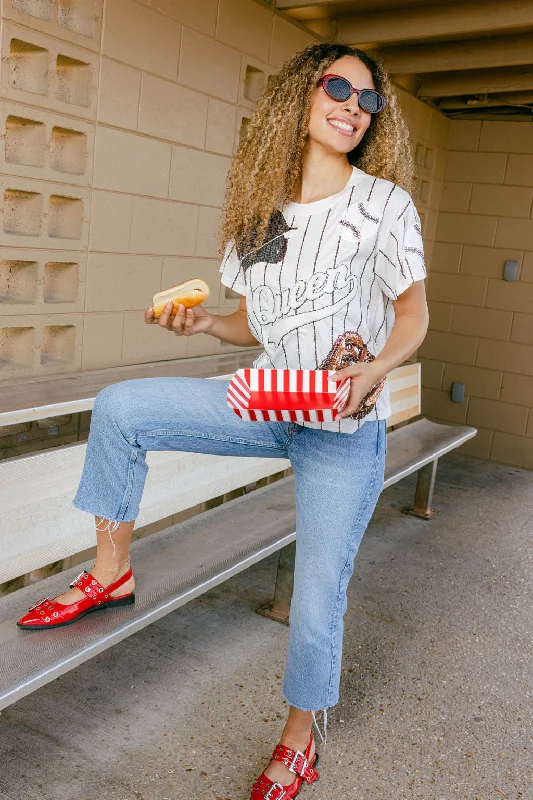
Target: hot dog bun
190, 294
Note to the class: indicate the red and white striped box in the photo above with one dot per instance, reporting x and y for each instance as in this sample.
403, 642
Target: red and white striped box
298, 395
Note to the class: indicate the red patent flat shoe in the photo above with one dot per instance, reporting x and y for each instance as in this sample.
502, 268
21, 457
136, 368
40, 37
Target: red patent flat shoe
49, 614
266, 789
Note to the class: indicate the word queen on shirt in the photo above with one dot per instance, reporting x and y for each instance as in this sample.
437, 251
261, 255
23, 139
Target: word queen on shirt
335, 266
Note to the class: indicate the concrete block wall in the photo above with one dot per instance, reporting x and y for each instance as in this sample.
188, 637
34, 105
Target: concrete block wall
428, 130
481, 330
119, 120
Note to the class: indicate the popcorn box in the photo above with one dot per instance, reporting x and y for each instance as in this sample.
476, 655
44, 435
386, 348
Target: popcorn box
298, 395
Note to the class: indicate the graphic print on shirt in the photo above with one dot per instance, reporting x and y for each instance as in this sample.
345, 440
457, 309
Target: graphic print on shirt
274, 245
361, 221
278, 311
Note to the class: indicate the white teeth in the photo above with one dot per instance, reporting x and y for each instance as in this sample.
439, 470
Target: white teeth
344, 126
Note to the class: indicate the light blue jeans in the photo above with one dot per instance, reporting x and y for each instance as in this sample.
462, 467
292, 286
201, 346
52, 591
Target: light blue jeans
338, 479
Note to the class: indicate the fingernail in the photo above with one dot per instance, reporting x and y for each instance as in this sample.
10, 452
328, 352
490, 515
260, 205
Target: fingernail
333, 377
169, 304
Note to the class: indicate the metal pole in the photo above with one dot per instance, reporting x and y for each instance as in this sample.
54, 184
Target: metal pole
424, 492
279, 607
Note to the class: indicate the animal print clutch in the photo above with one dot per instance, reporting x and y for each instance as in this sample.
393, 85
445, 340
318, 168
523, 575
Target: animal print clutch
349, 349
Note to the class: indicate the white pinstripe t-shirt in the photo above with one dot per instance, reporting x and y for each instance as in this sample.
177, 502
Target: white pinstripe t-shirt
343, 260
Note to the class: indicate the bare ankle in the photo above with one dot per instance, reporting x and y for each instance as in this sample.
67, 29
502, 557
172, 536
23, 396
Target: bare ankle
111, 567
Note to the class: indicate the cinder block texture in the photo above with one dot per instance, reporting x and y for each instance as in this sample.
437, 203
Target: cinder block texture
197, 176
476, 167
286, 40
206, 239
464, 135
169, 111
160, 227
506, 137
186, 11
48, 73
41, 281
221, 126
440, 315
45, 145
451, 347
25, 142
245, 26
127, 162
102, 340
432, 372
479, 382
485, 219
142, 342
40, 345
76, 21
118, 98
519, 170
121, 282
486, 261
43, 214
111, 214
504, 201
141, 37
209, 66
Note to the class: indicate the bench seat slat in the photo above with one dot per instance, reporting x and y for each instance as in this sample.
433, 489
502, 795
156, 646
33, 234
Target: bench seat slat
174, 566
171, 567
411, 447
37, 398
40, 525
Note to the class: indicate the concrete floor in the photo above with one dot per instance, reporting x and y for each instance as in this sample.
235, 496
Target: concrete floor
436, 688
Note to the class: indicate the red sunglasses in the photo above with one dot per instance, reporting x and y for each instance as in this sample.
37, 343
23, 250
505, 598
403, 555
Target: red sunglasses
340, 89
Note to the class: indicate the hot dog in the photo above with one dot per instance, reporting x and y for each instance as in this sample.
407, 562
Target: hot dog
189, 294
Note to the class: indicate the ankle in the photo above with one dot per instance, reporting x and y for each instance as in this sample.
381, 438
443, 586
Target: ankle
296, 735
111, 567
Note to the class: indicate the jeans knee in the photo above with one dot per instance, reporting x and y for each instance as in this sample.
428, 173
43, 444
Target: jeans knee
111, 403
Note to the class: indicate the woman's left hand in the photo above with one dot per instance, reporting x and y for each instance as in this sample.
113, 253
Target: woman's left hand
363, 377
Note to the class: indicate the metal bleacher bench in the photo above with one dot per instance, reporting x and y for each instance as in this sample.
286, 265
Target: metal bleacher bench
39, 525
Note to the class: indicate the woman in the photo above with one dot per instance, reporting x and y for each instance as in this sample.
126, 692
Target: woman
319, 236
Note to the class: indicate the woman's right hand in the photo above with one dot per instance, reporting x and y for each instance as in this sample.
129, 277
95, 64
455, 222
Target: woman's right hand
186, 321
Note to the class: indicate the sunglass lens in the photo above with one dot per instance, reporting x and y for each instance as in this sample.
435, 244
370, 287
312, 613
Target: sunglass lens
338, 88
370, 101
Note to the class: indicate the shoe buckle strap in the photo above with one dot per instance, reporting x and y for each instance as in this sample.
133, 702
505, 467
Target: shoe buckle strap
296, 761
36, 605
297, 768
89, 586
277, 792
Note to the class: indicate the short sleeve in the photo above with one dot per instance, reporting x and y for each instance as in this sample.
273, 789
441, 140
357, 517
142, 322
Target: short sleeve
231, 269
400, 257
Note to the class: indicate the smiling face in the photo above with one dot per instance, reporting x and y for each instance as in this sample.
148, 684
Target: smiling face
340, 126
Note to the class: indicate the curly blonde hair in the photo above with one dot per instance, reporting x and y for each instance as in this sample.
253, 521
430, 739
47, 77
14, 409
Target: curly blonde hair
266, 168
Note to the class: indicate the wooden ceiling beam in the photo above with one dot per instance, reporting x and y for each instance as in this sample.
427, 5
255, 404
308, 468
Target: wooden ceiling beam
508, 99
445, 19
501, 51
286, 5
483, 81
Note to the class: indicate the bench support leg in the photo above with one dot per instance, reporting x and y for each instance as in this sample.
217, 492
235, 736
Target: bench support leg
279, 607
424, 492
